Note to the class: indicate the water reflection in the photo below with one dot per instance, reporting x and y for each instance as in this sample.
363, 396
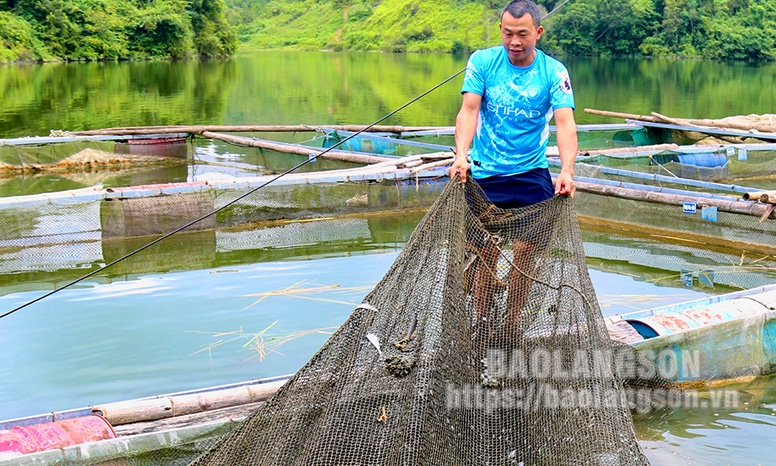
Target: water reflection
348, 88
55, 243
79, 96
27, 262
678, 88
727, 435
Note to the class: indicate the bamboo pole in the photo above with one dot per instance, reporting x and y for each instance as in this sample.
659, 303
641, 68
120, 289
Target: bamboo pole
128, 412
719, 124
414, 163
768, 197
625, 116
732, 205
297, 149
627, 150
344, 174
754, 196
699, 129
708, 123
396, 162
426, 166
767, 212
199, 129
438, 155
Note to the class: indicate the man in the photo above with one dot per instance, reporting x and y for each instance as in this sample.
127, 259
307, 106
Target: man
510, 94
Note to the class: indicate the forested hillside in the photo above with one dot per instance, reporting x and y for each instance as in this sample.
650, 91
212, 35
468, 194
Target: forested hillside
113, 29
721, 29
125, 29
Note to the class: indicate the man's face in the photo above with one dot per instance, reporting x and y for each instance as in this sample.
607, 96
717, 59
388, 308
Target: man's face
519, 36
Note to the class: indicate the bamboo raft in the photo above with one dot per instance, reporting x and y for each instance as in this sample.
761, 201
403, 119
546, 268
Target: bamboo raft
426, 172
372, 186
159, 134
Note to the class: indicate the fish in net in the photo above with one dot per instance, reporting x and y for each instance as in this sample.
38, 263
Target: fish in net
482, 345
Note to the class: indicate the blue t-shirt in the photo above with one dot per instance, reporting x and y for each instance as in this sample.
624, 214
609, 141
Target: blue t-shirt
517, 106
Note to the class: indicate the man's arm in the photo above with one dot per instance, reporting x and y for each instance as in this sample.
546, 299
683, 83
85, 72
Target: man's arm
566, 135
465, 127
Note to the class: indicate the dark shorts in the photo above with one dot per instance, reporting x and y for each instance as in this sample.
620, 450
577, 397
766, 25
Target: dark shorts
507, 192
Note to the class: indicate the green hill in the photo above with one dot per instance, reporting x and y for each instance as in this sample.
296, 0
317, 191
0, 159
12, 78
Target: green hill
127, 29
719, 29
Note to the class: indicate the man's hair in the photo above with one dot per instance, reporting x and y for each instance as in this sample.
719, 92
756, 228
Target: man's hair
518, 8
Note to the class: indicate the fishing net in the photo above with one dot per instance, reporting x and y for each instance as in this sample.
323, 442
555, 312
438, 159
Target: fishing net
635, 196
483, 344
748, 164
83, 154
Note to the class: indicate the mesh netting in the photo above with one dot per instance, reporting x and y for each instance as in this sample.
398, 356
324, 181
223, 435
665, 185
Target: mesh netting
48, 155
744, 165
483, 344
83, 153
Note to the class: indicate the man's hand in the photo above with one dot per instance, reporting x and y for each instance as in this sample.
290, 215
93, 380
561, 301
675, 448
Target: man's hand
459, 167
564, 184
465, 127
566, 134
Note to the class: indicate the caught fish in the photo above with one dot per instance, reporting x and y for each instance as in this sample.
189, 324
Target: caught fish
374, 341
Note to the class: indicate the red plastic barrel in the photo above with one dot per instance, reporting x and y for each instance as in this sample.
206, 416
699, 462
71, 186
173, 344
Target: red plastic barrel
21, 440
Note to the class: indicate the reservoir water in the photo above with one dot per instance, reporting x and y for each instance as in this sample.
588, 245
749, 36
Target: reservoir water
209, 308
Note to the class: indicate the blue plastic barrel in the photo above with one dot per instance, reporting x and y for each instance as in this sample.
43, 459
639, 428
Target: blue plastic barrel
360, 144
704, 159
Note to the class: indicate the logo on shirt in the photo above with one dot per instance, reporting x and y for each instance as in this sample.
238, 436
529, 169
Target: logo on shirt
513, 111
565, 83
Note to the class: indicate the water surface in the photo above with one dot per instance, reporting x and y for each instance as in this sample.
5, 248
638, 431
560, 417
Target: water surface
179, 315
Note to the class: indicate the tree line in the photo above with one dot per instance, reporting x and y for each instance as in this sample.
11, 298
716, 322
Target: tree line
126, 29
713, 29
36, 30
